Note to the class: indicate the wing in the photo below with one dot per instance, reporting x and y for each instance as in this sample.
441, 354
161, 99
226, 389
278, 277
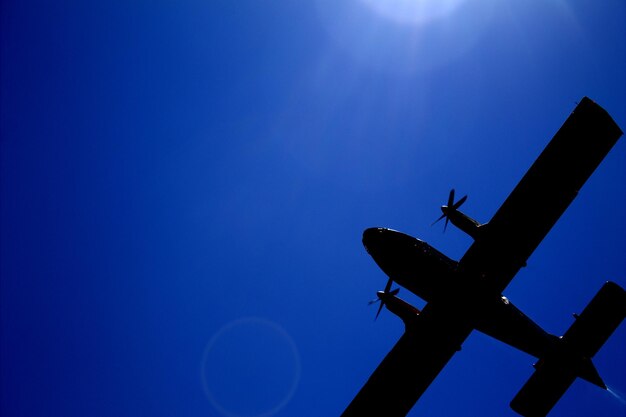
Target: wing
409, 368
544, 193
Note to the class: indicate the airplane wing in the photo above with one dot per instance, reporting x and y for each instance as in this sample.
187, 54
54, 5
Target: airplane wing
544, 193
429, 341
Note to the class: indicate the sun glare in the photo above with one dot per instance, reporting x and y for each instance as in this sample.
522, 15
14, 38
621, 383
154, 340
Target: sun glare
413, 11
405, 36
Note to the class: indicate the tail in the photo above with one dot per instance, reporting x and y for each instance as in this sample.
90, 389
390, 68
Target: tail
571, 356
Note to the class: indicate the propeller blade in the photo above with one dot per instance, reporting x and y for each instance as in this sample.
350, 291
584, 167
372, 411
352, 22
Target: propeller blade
459, 203
437, 221
378, 312
388, 286
381, 294
450, 208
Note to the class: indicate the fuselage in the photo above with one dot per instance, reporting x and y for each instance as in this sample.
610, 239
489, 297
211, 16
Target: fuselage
412, 263
435, 278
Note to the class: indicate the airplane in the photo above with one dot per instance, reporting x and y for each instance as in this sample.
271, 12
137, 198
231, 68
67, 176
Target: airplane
466, 295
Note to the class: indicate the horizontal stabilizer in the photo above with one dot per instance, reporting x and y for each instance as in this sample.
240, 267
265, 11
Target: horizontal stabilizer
543, 390
571, 356
598, 320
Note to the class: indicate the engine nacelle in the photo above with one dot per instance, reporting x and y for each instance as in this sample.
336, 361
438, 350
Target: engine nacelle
465, 223
399, 307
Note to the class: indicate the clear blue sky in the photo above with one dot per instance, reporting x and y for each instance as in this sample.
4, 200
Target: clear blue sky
184, 185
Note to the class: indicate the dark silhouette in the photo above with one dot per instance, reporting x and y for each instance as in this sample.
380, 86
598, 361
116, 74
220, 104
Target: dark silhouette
466, 295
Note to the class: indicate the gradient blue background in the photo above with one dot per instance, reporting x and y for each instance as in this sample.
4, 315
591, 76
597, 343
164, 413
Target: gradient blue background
184, 185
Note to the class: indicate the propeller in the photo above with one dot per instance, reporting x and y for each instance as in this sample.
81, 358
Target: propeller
382, 295
450, 208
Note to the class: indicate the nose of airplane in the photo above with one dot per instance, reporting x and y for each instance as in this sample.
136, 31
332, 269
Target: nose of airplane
389, 248
373, 238
379, 240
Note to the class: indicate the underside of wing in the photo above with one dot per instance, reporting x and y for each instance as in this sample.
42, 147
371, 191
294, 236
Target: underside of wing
543, 194
409, 368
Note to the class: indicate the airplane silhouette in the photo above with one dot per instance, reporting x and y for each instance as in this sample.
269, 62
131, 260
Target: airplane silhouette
467, 295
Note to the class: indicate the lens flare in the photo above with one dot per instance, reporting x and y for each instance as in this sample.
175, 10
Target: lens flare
250, 368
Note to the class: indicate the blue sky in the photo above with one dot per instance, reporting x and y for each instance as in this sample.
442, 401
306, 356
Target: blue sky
184, 186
